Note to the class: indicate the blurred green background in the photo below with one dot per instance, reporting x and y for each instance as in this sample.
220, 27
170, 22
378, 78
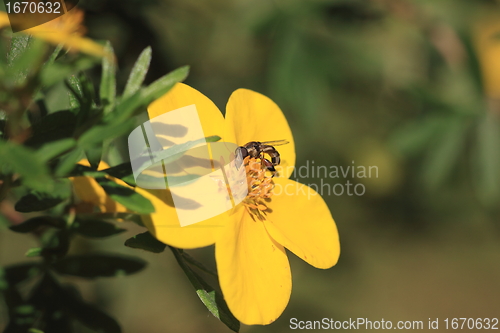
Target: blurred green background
412, 87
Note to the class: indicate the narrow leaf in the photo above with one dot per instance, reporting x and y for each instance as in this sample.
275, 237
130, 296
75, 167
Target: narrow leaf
99, 133
108, 81
138, 73
75, 93
59, 70
95, 228
17, 273
136, 102
99, 265
53, 149
25, 162
120, 171
94, 154
126, 196
211, 298
38, 201
68, 161
444, 153
487, 163
146, 242
51, 297
55, 126
37, 222
34, 252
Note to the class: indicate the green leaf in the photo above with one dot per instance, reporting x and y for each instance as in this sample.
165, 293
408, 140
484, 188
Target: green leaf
52, 298
212, 299
19, 44
75, 93
60, 70
148, 181
80, 170
99, 133
55, 244
3, 124
107, 90
53, 149
34, 252
36, 222
68, 162
4, 222
38, 201
120, 171
95, 228
444, 153
126, 196
25, 56
197, 264
175, 152
27, 164
487, 162
55, 126
54, 55
94, 154
133, 104
82, 100
91, 316
4, 284
473, 60
99, 265
147, 242
138, 73
18, 273
412, 138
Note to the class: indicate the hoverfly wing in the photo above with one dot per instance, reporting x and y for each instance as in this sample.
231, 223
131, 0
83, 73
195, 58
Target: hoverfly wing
238, 160
275, 142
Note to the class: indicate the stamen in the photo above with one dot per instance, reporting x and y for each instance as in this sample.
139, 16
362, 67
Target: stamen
260, 186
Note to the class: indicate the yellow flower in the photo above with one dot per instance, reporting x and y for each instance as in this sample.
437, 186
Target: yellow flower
66, 30
90, 195
250, 241
487, 43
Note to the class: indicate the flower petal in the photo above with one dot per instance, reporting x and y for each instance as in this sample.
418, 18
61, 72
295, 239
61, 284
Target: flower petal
4, 20
251, 116
165, 226
182, 95
301, 221
91, 194
73, 42
254, 272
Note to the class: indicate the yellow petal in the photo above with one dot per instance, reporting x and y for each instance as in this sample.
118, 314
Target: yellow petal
182, 95
488, 48
4, 20
253, 271
91, 194
67, 30
73, 42
165, 226
301, 221
251, 116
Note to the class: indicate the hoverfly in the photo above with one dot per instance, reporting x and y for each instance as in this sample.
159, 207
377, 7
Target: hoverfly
258, 149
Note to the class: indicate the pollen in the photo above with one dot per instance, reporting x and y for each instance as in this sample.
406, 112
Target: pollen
260, 186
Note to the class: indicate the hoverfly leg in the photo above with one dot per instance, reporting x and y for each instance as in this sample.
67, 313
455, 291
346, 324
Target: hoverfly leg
269, 165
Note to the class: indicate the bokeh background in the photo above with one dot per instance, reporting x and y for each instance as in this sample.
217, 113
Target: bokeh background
412, 87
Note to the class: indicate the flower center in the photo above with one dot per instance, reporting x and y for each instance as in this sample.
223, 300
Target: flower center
260, 186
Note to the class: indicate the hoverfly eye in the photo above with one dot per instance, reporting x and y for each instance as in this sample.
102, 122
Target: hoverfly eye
242, 151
